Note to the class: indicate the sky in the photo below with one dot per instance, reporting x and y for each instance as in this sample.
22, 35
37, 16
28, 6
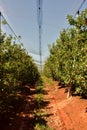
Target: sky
22, 16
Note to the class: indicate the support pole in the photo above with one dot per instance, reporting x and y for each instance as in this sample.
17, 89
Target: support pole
40, 51
39, 16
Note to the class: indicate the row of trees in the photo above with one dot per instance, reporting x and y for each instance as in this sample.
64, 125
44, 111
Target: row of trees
67, 62
17, 68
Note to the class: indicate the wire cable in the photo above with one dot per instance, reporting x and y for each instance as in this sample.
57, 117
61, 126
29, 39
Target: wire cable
1, 15
78, 10
11, 28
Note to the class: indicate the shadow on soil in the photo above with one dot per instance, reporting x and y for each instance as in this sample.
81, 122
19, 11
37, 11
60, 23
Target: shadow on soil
24, 116
81, 95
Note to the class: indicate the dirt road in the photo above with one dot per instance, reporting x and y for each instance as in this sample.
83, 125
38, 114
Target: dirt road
65, 114
62, 113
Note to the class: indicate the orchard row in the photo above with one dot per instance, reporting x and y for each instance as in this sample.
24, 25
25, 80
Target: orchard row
67, 62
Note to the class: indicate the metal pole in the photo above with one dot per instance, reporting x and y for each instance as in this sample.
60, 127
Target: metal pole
40, 51
39, 8
40, 32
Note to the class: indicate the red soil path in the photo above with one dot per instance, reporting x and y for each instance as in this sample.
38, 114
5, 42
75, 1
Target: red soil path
65, 114
62, 113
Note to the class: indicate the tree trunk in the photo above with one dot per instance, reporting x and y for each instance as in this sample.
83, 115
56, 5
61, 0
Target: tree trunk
70, 90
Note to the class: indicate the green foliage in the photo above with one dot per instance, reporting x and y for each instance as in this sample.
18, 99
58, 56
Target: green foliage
40, 82
39, 99
4, 22
16, 65
67, 62
39, 114
41, 122
39, 89
41, 127
16, 69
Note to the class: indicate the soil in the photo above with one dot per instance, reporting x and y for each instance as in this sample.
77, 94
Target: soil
62, 113
65, 114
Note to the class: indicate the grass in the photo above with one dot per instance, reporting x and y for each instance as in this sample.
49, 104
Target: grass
39, 115
48, 80
39, 99
39, 89
41, 123
41, 127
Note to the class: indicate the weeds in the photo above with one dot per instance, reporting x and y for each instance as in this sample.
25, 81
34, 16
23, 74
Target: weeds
41, 127
39, 89
40, 122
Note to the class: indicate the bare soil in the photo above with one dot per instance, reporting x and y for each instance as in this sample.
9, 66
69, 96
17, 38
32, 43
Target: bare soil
62, 113
65, 114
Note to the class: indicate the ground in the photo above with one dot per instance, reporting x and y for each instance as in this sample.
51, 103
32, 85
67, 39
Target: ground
65, 114
62, 113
